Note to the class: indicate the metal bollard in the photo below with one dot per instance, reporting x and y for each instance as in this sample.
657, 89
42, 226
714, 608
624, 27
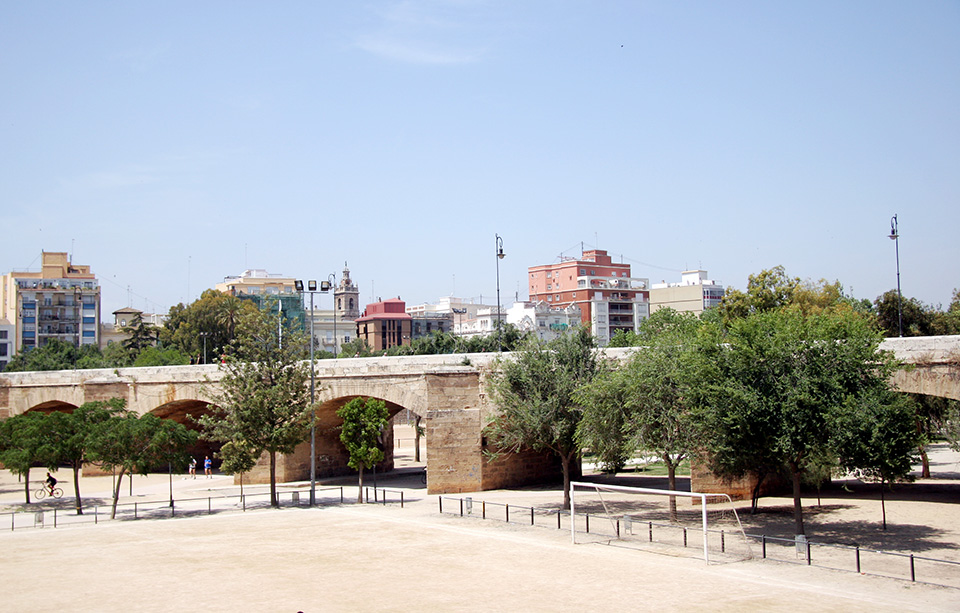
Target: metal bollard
858, 558
913, 570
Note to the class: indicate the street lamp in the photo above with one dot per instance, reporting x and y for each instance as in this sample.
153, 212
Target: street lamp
895, 237
311, 289
500, 255
204, 335
459, 331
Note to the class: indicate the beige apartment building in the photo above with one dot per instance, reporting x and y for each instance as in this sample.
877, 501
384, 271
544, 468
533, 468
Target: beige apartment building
61, 301
694, 294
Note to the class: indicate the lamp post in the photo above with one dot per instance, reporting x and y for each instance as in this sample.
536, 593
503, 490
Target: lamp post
204, 335
312, 289
459, 330
895, 237
500, 255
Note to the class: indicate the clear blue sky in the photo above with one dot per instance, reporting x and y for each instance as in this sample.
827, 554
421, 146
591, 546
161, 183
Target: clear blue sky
172, 144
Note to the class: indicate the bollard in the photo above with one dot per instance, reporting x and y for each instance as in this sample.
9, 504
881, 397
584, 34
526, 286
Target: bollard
858, 558
558, 520
483, 509
440, 500
588, 523
401, 499
808, 554
508, 513
650, 529
913, 573
684, 537
461, 507
616, 527
531, 516
763, 545
723, 544
54, 518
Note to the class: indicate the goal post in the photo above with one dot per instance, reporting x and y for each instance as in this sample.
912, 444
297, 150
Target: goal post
624, 507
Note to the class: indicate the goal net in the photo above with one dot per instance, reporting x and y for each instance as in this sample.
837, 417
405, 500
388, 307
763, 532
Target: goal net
662, 520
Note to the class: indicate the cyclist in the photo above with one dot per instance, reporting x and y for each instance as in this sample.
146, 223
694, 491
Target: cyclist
51, 483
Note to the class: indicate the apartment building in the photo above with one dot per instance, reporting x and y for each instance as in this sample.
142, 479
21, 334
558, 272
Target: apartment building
385, 324
610, 299
545, 321
61, 301
694, 294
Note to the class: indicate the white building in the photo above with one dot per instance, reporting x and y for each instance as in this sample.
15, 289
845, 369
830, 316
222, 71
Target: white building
7, 346
539, 317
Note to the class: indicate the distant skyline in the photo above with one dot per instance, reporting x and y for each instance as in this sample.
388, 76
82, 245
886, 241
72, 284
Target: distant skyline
169, 146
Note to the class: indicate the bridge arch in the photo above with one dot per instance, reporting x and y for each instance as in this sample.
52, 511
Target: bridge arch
52, 406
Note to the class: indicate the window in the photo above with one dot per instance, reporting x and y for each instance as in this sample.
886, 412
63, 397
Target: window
3, 349
3, 334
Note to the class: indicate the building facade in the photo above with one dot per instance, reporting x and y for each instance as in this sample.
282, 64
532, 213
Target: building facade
543, 320
609, 298
7, 337
61, 302
694, 294
385, 324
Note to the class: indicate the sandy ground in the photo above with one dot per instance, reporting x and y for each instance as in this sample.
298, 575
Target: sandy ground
384, 558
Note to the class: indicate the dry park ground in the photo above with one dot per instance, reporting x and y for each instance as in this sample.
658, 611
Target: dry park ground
386, 558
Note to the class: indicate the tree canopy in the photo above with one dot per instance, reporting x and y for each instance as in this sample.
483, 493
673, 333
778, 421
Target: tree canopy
534, 391
263, 399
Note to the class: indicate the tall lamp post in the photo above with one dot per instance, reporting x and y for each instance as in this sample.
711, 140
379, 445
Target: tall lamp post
311, 289
500, 255
205, 335
895, 237
459, 331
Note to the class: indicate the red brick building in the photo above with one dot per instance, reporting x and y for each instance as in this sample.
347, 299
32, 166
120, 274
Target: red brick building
608, 297
385, 324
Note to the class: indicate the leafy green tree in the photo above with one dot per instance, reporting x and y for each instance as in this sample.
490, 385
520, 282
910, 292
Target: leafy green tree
55, 355
357, 348
534, 391
237, 459
653, 397
782, 376
263, 399
115, 355
25, 441
213, 317
155, 356
71, 436
916, 319
132, 444
363, 423
876, 438
140, 335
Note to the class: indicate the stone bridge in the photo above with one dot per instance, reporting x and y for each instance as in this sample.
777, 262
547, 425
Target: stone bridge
448, 391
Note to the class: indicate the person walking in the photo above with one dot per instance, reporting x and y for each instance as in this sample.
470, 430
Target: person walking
193, 467
207, 467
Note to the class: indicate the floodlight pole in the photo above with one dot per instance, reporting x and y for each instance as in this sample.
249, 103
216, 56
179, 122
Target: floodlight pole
312, 289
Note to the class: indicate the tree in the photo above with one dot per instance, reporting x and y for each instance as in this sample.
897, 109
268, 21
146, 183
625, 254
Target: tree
71, 435
892, 310
155, 356
875, 438
132, 444
140, 335
25, 441
782, 376
653, 397
363, 423
263, 399
213, 317
357, 348
534, 395
236, 459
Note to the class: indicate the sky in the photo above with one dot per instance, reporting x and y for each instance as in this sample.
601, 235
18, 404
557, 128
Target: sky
170, 145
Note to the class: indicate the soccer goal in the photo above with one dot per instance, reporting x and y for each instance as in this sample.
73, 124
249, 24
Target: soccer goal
664, 520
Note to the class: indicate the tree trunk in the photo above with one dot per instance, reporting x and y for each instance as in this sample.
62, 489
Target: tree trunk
565, 463
672, 484
274, 501
883, 505
755, 495
924, 463
416, 434
360, 484
116, 494
797, 504
26, 485
76, 489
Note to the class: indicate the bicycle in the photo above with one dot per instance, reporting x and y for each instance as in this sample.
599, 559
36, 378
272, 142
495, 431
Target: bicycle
43, 492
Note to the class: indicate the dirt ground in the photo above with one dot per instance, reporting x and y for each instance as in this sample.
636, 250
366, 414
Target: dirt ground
386, 558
